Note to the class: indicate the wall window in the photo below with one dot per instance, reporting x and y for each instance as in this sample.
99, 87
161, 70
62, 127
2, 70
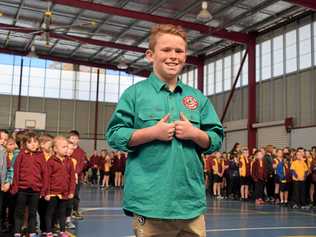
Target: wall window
52, 80
258, 63
125, 82
191, 78
237, 62
266, 59
67, 83
291, 51
227, 73
314, 42
278, 56
112, 86
6, 68
210, 78
83, 85
305, 46
219, 76
244, 72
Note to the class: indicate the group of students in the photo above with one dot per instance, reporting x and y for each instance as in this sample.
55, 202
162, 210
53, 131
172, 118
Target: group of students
106, 169
282, 176
39, 175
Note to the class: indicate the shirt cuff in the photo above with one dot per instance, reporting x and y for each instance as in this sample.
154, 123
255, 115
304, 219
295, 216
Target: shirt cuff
215, 143
121, 138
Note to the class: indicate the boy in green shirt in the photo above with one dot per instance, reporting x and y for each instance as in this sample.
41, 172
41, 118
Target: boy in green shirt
165, 125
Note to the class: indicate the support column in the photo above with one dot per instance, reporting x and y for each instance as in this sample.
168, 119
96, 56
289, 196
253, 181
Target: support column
96, 111
252, 132
20, 85
200, 74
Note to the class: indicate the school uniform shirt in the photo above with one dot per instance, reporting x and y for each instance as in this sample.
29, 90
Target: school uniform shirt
244, 166
30, 171
217, 166
283, 172
80, 156
11, 158
259, 170
61, 177
163, 179
3, 164
300, 169
101, 163
94, 161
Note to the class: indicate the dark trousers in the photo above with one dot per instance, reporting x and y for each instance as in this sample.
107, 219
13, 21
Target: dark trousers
94, 177
26, 198
76, 199
270, 186
56, 207
2, 213
259, 189
8, 204
69, 207
42, 207
235, 186
298, 194
101, 177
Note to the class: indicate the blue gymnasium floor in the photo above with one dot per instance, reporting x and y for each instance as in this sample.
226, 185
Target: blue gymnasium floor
104, 218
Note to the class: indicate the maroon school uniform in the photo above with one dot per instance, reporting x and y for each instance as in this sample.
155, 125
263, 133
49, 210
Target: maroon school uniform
80, 156
118, 164
94, 160
61, 179
30, 172
101, 163
259, 172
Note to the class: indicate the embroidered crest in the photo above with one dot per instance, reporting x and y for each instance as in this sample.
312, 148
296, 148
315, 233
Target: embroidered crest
190, 102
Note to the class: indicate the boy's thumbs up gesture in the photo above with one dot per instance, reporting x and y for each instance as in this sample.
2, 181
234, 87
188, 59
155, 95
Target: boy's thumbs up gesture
184, 128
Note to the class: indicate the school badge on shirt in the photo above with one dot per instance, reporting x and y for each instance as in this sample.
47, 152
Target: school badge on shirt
190, 102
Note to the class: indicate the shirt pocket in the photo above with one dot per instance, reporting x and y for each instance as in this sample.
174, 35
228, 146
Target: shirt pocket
194, 118
148, 118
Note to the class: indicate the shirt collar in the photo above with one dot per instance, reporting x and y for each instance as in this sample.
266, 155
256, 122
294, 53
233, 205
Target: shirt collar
160, 85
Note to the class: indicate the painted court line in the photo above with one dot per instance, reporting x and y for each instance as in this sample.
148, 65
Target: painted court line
255, 228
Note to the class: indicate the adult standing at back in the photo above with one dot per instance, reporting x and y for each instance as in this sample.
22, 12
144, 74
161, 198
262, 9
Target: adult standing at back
165, 125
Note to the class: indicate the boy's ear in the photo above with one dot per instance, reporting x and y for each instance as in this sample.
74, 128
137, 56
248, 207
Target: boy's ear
149, 56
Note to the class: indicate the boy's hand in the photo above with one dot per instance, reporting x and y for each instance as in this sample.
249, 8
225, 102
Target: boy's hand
184, 128
71, 196
164, 131
47, 198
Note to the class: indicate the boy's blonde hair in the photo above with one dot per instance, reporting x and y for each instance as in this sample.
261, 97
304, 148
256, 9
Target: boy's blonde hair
158, 30
45, 138
59, 138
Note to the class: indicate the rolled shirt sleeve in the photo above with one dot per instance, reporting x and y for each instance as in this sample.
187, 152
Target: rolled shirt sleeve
212, 126
121, 125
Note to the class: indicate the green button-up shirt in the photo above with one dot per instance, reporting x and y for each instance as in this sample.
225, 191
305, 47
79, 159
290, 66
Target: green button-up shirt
163, 179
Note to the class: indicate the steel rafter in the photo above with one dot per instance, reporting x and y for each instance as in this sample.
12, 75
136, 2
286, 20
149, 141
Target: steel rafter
204, 29
311, 4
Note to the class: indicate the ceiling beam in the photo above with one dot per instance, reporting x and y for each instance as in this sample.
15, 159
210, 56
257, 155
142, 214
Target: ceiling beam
204, 29
82, 40
311, 4
142, 73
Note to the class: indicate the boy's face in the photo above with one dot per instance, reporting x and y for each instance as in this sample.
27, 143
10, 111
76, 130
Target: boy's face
61, 148
70, 149
74, 139
260, 155
32, 145
168, 56
11, 145
47, 146
3, 138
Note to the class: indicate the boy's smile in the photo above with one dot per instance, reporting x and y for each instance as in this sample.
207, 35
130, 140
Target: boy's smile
168, 57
